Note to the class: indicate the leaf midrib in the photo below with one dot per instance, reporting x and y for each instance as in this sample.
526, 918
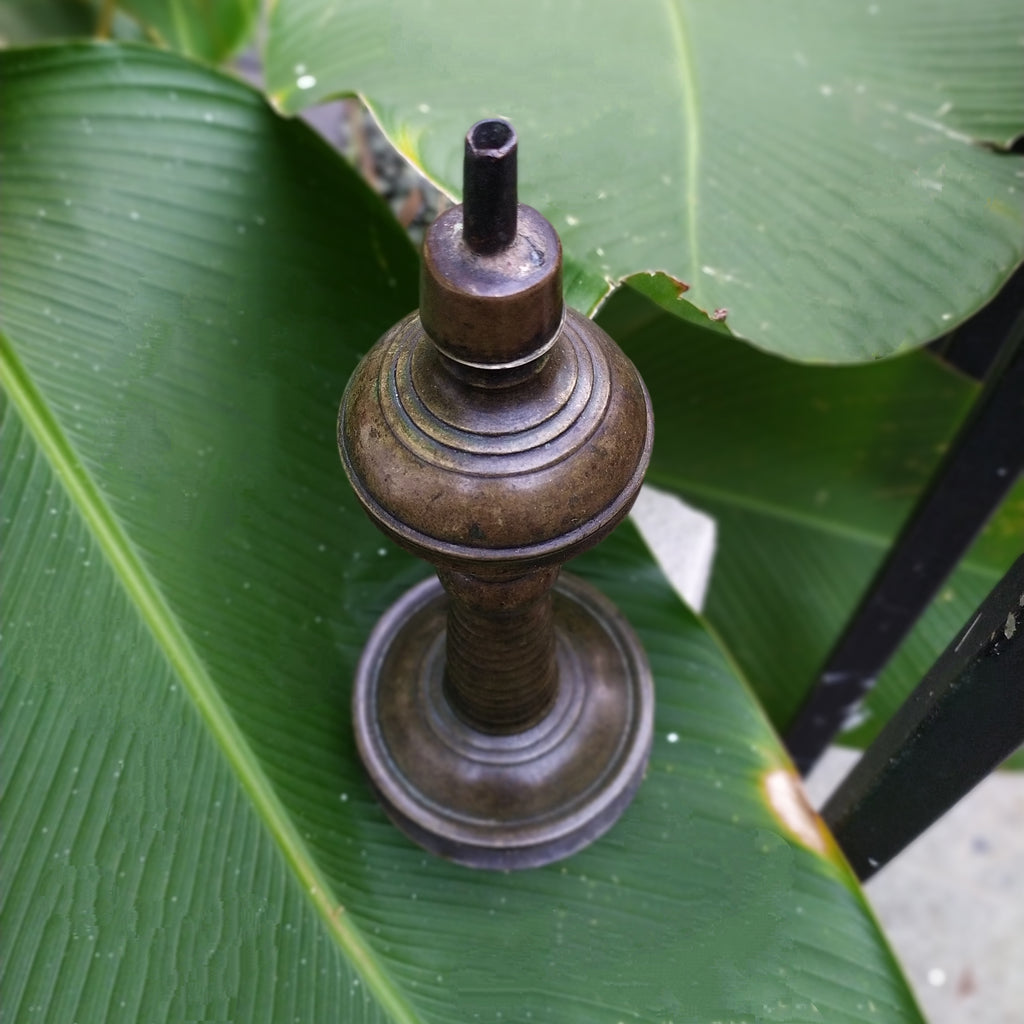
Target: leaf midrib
144, 594
691, 127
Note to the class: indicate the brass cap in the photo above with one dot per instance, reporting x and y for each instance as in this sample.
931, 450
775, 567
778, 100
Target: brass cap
491, 284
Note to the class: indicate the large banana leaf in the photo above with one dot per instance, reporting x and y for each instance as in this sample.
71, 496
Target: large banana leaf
188, 581
822, 171
809, 471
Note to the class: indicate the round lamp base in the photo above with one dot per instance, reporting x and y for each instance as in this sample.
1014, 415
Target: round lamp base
505, 801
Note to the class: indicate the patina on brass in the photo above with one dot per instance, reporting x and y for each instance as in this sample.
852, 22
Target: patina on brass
503, 713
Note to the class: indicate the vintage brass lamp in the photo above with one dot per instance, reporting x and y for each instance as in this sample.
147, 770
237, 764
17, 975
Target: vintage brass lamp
503, 711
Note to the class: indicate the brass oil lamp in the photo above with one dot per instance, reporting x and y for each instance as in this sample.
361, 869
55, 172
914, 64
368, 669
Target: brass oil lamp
503, 710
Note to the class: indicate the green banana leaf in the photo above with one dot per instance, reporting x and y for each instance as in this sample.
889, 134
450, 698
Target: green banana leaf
208, 30
28, 21
188, 581
809, 473
24, 22
822, 175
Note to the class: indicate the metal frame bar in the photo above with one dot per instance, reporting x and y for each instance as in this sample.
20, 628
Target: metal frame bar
963, 719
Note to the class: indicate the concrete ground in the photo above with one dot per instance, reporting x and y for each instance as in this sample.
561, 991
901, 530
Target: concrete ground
952, 903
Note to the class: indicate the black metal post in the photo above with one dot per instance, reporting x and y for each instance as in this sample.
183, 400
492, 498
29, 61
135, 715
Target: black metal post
964, 718
974, 346
981, 466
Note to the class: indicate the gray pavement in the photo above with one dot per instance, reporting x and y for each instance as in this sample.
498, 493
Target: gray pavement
952, 903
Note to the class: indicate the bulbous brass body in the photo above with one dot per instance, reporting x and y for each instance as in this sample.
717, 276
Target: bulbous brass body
504, 715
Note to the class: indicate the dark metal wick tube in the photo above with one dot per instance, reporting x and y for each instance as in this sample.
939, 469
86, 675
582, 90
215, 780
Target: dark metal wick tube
490, 200
502, 675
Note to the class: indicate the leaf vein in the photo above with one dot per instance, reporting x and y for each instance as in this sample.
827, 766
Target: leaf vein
696, 491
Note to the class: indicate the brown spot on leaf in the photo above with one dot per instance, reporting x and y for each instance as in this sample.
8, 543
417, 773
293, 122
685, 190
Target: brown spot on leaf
789, 804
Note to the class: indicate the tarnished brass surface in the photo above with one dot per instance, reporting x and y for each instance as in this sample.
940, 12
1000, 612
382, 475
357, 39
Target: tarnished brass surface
540, 469
497, 434
505, 801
